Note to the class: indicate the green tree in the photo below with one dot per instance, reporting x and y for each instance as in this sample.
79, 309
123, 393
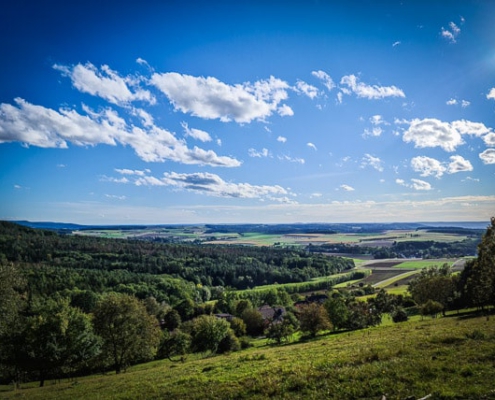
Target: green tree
431, 308
11, 283
254, 322
171, 320
282, 331
52, 338
129, 333
478, 278
337, 312
433, 283
176, 343
314, 318
208, 332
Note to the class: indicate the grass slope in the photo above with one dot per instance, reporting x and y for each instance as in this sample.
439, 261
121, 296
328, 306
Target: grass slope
450, 358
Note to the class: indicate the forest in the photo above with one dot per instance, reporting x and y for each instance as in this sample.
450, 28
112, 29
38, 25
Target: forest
73, 305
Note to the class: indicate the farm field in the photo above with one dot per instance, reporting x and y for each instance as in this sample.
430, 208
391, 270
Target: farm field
200, 233
447, 358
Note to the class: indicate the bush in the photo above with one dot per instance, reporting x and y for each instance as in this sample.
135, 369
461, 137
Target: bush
399, 315
229, 343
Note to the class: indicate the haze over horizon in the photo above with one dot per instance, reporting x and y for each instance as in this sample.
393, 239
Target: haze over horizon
255, 112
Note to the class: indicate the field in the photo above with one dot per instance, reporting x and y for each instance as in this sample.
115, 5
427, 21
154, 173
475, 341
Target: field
200, 233
447, 358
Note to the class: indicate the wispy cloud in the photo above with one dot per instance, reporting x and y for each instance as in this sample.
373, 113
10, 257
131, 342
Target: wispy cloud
374, 162
281, 139
325, 78
452, 32
363, 90
196, 133
255, 153
346, 188
307, 89
311, 145
416, 184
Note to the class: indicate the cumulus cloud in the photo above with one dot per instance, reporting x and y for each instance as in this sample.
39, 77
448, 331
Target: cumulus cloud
374, 162
210, 98
378, 120
491, 94
106, 83
347, 188
416, 184
43, 127
488, 156
325, 78
213, 185
307, 89
196, 133
459, 164
363, 90
431, 132
281, 139
309, 144
254, 153
427, 166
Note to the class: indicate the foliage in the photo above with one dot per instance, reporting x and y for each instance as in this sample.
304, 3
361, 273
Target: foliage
208, 332
399, 315
431, 308
172, 344
129, 333
337, 311
313, 318
254, 322
478, 278
282, 331
435, 284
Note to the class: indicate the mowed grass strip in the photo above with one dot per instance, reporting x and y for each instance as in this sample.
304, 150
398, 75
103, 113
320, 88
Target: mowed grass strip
450, 358
419, 264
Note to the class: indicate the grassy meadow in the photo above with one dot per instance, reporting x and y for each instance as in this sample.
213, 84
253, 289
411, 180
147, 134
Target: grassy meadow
450, 358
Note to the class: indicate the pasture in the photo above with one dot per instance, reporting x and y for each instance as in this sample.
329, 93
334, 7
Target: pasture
447, 358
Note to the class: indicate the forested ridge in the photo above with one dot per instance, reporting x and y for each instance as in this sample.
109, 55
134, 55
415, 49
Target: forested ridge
109, 262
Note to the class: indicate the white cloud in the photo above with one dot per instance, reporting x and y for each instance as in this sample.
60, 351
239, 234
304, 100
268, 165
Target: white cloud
431, 132
465, 103
306, 89
340, 97
375, 132
428, 166
396, 44
489, 139
378, 120
44, 127
309, 144
451, 102
196, 133
325, 78
416, 184
125, 171
292, 159
347, 188
285, 111
452, 34
369, 91
281, 139
459, 164
213, 185
210, 98
471, 128
491, 94
106, 84
488, 156
113, 196
254, 153
375, 162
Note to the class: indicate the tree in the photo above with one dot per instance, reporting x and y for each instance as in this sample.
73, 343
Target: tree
337, 312
399, 315
176, 343
434, 284
432, 308
171, 320
254, 322
129, 333
281, 331
11, 283
207, 333
478, 278
314, 318
52, 338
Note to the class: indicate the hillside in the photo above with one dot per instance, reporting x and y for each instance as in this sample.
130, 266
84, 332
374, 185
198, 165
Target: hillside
450, 358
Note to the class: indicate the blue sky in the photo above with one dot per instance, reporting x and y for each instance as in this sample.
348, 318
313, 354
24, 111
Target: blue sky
236, 112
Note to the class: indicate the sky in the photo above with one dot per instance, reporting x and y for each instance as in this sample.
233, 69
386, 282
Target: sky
184, 112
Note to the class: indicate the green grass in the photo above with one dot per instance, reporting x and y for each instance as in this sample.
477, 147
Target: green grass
450, 358
419, 264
